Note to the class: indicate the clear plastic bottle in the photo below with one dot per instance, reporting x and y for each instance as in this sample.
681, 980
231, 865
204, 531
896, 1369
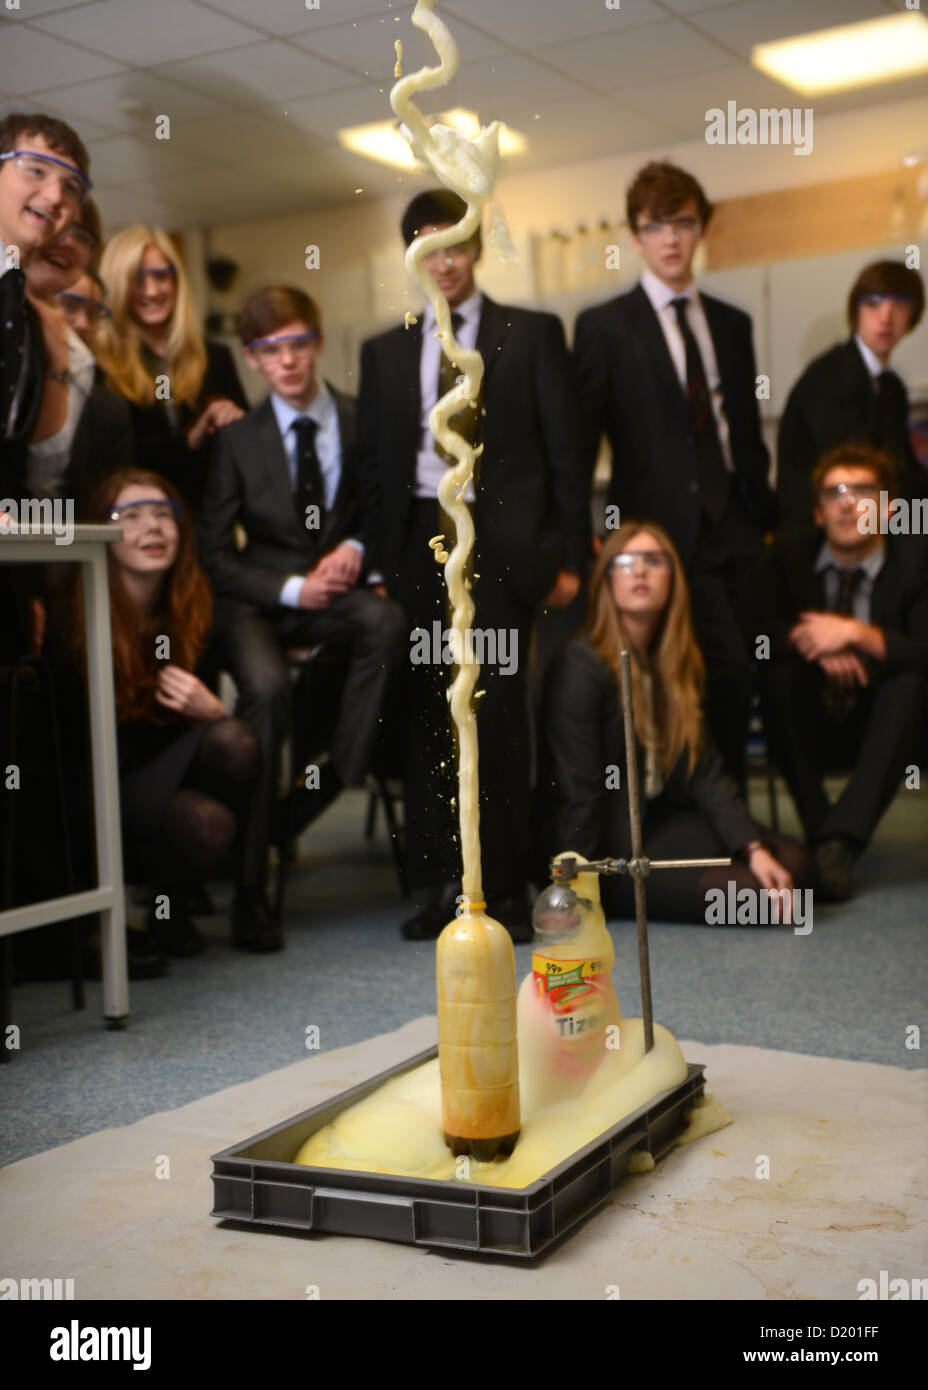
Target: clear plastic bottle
568, 1001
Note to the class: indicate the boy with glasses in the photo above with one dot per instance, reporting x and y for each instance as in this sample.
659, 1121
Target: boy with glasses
43, 182
850, 392
668, 375
846, 688
286, 475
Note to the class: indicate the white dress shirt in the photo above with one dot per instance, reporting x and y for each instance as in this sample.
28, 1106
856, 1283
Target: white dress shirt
662, 297
872, 363
47, 461
430, 467
323, 410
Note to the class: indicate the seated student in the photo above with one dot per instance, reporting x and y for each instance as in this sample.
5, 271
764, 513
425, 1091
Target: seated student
180, 389
851, 393
54, 272
286, 475
847, 687
186, 770
639, 602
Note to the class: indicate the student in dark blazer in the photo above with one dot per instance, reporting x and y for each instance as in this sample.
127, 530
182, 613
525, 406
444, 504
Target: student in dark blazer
180, 388
847, 686
690, 808
286, 474
850, 392
668, 374
43, 182
531, 515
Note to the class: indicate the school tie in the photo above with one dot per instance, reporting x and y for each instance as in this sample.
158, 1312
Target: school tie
849, 581
839, 700
713, 479
309, 490
465, 421
12, 343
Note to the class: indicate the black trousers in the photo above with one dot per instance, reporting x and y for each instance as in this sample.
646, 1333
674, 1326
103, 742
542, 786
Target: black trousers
503, 725
371, 629
876, 741
726, 579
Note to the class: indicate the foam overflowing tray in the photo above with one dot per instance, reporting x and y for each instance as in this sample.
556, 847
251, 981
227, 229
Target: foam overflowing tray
255, 1182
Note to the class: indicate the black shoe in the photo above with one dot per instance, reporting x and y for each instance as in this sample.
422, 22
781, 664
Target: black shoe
253, 926
515, 914
834, 860
430, 921
176, 935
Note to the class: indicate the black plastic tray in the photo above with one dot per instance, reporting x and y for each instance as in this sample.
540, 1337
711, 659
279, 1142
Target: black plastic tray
256, 1182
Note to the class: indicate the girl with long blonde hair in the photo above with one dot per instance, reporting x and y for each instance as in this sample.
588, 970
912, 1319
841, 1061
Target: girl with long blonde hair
180, 388
639, 603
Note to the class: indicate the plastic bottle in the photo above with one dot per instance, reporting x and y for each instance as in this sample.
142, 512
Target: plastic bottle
477, 1036
568, 1001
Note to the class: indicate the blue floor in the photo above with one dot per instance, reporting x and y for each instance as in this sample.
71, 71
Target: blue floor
850, 989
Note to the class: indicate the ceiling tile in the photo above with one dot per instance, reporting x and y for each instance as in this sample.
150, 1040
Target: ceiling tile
126, 159
244, 76
586, 127
324, 115
684, 102
146, 95
244, 139
367, 46
292, 16
741, 26
33, 61
649, 53
88, 130
140, 32
550, 21
498, 84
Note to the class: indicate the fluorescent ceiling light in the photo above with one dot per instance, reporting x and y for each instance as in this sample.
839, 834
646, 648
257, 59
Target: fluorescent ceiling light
854, 55
382, 140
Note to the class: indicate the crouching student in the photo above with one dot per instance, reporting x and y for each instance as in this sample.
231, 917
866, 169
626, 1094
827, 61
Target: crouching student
847, 688
186, 770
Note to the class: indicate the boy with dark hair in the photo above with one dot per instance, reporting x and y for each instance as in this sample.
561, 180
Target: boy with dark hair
286, 474
850, 392
531, 515
668, 374
846, 687
43, 182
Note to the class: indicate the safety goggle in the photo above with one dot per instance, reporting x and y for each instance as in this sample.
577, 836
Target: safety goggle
272, 346
34, 166
158, 508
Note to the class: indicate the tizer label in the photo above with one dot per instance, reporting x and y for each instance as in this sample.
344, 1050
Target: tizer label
572, 993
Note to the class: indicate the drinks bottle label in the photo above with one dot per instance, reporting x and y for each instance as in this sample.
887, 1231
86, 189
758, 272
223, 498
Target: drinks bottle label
572, 992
